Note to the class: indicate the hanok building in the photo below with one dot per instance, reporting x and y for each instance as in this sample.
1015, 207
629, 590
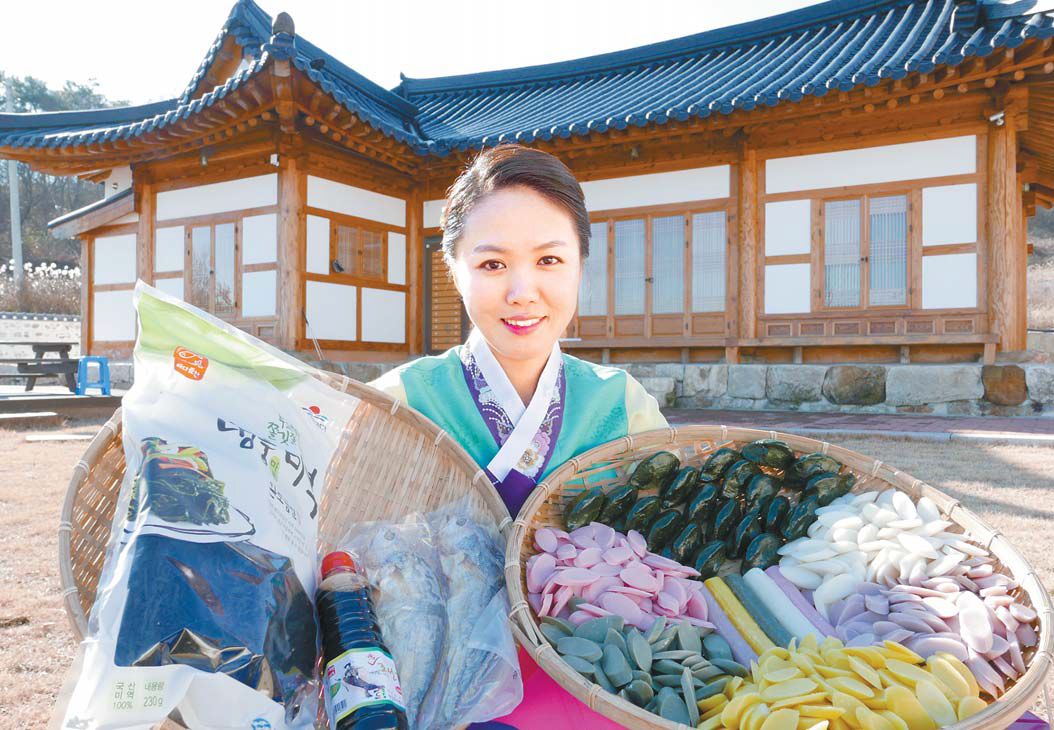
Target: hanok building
849, 181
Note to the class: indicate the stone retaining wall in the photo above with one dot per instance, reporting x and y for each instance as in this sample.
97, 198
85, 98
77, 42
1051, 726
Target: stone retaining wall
1008, 389
16, 327
1005, 389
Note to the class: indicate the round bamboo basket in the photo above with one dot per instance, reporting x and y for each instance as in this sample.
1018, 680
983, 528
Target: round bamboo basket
693, 444
391, 461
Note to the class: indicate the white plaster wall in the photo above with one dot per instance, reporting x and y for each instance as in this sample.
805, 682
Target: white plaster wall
330, 311
120, 178
383, 316
113, 316
171, 286
949, 281
787, 288
317, 245
260, 239
886, 163
433, 212
787, 227
250, 192
168, 249
341, 198
114, 260
702, 183
259, 289
396, 258
949, 214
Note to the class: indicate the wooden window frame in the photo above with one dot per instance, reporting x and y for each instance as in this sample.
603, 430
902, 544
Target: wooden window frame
912, 191
371, 282
647, 214
211, 222
358, 281
689, 260
916, 251
335, 222
912, 271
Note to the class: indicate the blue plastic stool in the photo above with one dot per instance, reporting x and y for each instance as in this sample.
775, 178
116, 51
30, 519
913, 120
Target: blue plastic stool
84, 382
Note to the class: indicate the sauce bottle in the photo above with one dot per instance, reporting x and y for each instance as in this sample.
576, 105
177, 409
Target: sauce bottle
361, 683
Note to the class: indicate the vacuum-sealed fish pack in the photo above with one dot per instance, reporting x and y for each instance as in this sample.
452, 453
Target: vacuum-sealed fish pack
439, 592
205, 605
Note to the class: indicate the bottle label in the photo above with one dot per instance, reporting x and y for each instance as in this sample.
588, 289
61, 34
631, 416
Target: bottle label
359, 678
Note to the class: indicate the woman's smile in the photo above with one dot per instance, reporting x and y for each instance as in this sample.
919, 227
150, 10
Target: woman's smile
522, 325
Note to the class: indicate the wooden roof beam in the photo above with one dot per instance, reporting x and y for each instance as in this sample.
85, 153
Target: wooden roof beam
1033, 49
283, 91
313, 102
253, 89
334, 112
1027, 166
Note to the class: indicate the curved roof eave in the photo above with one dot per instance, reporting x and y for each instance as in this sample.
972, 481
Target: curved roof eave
85, 117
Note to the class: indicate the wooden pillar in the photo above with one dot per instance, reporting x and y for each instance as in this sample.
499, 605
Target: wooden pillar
292, 236
748, 244
415, 246
144, 239
86, 303
1008, 256
732, 254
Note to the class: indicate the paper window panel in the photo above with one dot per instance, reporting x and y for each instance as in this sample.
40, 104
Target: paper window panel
347, 249
224, 271
667, 265
842, 253
708, 262
593, 293
888, 254
372, 253
629, 266
200, 264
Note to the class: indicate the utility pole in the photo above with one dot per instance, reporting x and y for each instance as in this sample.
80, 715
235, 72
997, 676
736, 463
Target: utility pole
16, 210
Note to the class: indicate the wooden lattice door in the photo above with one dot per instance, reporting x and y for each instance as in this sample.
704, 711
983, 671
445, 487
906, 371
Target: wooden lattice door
447, 322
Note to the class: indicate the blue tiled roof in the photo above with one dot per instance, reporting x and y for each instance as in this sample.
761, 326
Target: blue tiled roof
833, 46
90, 208
390, 113
66, 129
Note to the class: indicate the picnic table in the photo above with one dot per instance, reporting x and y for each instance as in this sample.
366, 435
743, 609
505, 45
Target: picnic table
40, 365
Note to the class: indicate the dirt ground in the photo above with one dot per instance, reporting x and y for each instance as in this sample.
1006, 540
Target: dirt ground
1010, 486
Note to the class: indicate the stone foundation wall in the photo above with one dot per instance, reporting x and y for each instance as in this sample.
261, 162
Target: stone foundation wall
1008, 389
1005, 389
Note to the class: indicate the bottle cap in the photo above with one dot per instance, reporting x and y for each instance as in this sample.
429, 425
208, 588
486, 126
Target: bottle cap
336, 561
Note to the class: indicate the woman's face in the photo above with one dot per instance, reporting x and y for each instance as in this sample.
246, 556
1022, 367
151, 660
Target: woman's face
517, 266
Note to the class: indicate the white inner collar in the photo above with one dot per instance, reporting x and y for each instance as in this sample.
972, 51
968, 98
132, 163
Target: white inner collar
499, 382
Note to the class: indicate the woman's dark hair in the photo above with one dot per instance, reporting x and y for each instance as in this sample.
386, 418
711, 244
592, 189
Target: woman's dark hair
507, 166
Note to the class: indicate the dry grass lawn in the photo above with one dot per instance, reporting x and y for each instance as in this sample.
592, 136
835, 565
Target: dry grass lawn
1010, 486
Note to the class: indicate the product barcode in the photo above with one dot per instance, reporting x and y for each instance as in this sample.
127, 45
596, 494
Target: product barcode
338, 707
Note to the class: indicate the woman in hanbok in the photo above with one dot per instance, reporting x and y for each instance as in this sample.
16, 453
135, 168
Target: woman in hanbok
515, 236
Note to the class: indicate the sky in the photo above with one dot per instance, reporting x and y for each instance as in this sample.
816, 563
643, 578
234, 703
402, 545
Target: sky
144, 50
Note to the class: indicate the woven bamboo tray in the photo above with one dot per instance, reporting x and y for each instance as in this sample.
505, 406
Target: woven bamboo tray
391, 461
693, 444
